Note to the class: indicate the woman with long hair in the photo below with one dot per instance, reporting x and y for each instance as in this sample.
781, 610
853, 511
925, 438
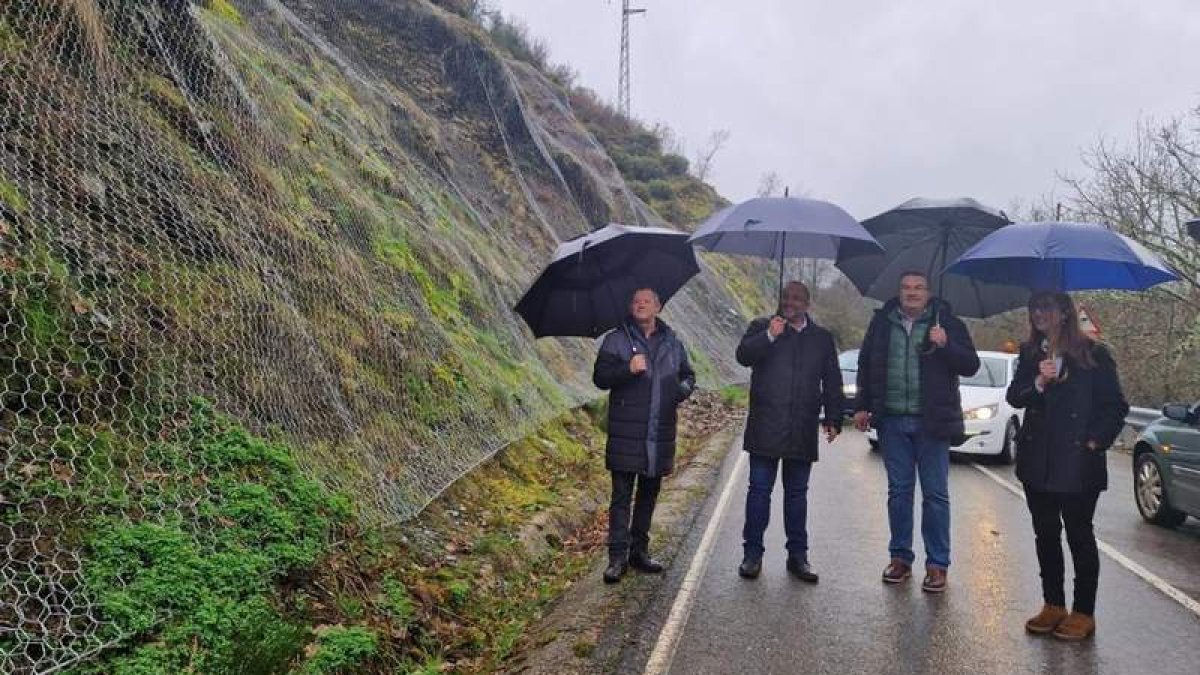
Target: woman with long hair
1074, 409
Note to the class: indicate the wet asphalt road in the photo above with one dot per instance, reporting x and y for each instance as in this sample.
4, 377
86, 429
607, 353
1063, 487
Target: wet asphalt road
853, 623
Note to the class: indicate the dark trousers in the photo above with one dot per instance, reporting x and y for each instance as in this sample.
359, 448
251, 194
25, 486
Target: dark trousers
763, 471
622, 536
1052, 511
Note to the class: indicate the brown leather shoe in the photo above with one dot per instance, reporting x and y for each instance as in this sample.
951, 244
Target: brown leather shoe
1046, 620
896, 571
935, 580
1075, 627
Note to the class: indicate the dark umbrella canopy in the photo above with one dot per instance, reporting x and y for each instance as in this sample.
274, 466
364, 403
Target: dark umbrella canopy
925, 235
1064, 257
585, 290
775, 227
781, 227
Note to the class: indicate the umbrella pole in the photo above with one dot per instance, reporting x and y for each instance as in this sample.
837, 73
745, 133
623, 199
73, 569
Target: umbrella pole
937, 314
624, 324
782, 246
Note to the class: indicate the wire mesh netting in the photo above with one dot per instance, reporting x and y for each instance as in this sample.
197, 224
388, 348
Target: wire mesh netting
311, 216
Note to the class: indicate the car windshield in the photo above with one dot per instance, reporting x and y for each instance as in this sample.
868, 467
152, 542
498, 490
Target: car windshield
848, 361
992, 373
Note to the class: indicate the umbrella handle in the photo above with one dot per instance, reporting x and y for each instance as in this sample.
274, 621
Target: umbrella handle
928, 346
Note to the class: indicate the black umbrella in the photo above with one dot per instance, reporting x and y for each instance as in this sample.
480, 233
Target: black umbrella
926, 235
585, 290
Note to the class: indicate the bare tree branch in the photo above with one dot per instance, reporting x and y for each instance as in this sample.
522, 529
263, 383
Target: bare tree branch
704, 157
769, 185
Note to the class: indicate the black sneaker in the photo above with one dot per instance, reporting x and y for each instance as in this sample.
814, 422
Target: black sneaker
802, 570
615, 570
641, 561
750, 568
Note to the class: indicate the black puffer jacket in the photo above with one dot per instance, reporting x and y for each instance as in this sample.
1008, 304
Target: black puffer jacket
941, 404
1052, 452
791, 379
641, 408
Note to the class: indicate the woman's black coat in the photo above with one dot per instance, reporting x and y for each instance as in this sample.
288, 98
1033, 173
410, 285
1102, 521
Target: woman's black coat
1052, 452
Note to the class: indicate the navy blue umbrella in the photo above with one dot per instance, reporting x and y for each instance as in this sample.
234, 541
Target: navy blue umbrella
781, 227
924, 235
1063, 257
586, 288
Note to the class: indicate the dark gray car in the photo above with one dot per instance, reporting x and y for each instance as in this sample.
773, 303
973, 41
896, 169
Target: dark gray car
848, 363
1166, 466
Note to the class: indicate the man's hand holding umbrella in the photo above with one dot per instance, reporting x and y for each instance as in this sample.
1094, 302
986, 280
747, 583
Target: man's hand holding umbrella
777, 326
937, 336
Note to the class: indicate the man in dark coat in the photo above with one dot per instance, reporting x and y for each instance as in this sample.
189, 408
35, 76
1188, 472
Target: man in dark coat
908, 368
794, 373
646, 370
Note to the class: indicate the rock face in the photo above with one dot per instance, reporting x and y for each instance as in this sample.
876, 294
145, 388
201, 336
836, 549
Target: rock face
316, 216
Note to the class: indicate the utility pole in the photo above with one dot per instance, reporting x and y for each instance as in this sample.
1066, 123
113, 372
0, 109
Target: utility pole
623, 81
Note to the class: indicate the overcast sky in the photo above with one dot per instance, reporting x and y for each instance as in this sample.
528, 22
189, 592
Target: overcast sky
870, 102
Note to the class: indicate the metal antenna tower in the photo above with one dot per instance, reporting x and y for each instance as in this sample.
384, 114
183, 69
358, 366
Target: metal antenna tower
623, 82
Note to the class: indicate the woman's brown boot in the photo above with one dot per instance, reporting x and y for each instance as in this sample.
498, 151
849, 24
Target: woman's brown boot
1047, 620
1075, 627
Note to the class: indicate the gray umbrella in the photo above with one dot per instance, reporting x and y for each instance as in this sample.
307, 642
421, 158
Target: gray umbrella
781, 227
926, 235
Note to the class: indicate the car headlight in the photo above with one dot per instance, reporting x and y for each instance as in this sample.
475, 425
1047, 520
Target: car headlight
850, 389
985, 412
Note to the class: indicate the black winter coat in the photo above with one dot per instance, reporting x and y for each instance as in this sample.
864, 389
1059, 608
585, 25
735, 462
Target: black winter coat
791, 379
641, 408
941, 404
1052, 452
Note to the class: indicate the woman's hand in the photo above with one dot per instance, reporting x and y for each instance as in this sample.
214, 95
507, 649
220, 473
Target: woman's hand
1047, 373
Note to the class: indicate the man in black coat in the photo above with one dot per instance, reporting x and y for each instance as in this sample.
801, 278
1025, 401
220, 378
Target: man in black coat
646, 370
794, 373
908, 368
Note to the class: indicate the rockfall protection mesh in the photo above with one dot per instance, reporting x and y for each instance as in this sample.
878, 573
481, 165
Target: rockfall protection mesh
314, 215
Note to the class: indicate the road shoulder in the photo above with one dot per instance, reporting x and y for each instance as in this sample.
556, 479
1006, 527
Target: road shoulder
589, 627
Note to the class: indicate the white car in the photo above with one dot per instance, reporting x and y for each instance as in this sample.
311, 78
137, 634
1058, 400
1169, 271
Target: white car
991, 423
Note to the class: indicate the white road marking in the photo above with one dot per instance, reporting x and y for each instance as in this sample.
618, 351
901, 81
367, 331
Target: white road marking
668, 639
1120, 558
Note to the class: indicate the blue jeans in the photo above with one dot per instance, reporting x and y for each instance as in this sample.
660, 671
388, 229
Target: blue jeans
908, 454
795, 505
